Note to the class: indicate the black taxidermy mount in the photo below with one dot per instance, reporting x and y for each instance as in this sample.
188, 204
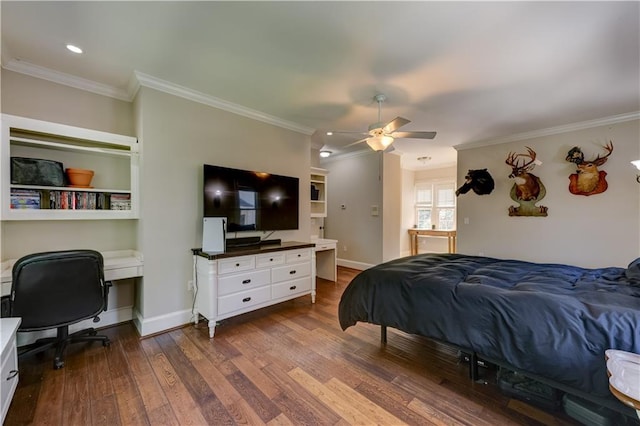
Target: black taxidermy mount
479, 180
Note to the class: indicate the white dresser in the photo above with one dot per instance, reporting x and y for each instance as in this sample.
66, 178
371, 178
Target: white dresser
8, 329
233, 283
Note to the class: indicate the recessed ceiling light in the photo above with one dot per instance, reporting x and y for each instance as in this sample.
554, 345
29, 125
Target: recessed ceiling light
329, 133
74, 49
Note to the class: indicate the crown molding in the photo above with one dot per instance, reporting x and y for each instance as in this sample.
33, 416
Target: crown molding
620, 118
48, 74
139, 79
146, 80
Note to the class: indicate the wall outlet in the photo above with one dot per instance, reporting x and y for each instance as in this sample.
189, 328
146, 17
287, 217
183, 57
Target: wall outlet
344, 248
190, 285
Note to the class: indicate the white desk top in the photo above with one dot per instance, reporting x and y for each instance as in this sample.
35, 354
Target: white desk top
118, 264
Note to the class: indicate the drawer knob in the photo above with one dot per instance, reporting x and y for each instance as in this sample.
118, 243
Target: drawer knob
247, 281
293, 287
292, 272
246, 299
270, 260
237, 264
12, 374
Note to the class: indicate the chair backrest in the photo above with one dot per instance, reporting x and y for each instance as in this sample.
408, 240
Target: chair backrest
58, 288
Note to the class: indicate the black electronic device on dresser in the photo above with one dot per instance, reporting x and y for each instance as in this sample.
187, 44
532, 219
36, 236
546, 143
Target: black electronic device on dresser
251, 200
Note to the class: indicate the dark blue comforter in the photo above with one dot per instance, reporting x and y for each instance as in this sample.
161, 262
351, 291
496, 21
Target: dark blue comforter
551, 320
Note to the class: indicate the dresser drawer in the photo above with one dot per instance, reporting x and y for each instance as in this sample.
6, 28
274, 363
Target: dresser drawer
269, 259
237, 264
290, 272
241, 282
8, 373
243, 300
291, 288
294, 256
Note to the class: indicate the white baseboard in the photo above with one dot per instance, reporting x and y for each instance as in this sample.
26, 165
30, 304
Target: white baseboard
148, 326
107, 318
354, 265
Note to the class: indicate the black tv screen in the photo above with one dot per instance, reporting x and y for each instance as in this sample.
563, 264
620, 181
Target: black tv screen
250, 200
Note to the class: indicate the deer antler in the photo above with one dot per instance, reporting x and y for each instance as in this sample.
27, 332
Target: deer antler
512, 159
599, 161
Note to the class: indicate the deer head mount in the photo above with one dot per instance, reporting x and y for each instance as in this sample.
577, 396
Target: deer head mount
527, 188
588, 180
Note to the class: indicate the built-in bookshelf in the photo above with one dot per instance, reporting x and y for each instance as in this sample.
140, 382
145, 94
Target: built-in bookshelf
113, 193
318, 192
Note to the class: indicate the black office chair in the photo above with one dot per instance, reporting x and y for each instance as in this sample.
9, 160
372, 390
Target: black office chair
57, 289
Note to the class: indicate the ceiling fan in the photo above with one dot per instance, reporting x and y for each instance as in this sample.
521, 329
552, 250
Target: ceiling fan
380, 136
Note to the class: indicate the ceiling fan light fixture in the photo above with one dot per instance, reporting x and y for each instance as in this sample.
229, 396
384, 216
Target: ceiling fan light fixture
325, 153
379, 143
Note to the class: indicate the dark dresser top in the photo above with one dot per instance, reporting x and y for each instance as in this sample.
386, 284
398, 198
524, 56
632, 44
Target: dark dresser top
250, 250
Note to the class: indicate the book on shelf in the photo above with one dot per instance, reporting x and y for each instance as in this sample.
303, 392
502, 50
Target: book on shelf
68, 200
120, 201
25, 199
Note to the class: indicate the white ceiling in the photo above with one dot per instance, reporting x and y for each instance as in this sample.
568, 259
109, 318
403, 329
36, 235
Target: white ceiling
472, 71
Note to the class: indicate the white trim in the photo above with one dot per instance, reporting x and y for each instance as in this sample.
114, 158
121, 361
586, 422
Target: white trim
354, 265
107, 318
195, 96
139, 79
48, 74
160, 323
620, 118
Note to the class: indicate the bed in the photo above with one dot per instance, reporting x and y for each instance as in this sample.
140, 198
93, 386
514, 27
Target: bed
548, 320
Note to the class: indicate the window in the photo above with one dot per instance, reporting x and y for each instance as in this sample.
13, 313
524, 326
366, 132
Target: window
435, 205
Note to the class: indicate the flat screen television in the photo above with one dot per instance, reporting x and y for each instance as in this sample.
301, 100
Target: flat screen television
251, 200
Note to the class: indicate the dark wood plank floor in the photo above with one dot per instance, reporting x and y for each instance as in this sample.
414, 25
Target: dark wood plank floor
283, 365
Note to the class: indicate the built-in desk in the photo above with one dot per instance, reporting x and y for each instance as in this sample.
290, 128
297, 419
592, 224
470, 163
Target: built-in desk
415, 233
118, 265
326, 258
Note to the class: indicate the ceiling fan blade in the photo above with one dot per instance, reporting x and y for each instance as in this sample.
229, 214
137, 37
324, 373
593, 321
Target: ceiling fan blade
338, 132
415, 135
357, 142
394, 124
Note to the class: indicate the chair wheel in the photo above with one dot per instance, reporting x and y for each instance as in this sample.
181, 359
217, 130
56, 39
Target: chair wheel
106, 343
93, 333
57, 364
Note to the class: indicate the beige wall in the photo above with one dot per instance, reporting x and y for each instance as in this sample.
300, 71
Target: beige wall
355, 181
35, 98
391, 208
592, 231
178, 136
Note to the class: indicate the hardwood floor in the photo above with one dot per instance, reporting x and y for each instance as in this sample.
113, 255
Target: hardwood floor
283, 365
